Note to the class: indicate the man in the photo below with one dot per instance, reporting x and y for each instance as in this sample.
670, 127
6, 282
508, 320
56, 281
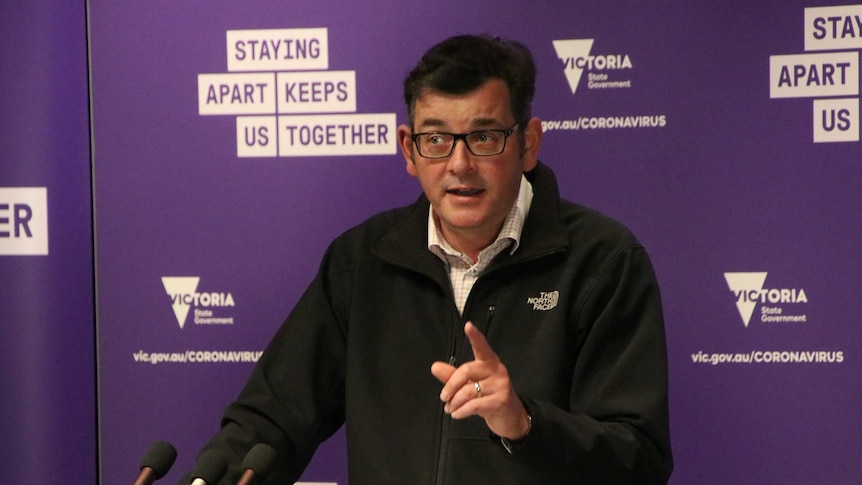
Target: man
540, 319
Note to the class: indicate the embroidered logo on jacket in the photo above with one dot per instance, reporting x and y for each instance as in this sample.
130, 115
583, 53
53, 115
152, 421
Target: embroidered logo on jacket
546, 300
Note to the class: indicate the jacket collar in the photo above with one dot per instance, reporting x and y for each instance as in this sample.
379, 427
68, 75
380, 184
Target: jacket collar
544, 232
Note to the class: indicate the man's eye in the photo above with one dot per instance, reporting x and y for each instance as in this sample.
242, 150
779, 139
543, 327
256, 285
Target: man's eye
485, 137
436, 139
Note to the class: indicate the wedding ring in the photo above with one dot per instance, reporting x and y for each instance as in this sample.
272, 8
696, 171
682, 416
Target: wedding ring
478, 389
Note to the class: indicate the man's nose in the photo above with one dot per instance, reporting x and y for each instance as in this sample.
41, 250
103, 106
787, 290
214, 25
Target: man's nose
461, 160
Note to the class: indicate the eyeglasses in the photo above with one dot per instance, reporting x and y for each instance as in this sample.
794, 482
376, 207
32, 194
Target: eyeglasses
482, 143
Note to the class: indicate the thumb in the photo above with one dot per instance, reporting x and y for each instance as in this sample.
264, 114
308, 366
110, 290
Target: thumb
442, 371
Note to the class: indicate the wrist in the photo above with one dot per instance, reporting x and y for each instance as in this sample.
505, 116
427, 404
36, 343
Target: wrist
512, 444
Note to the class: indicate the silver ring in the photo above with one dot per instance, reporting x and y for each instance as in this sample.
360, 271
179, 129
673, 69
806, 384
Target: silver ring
478, 389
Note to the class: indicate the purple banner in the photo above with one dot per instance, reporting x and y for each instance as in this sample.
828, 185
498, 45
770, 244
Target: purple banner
47, 316
726, 137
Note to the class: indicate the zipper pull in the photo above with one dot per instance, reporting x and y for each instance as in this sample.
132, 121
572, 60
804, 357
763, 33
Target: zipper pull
488, 318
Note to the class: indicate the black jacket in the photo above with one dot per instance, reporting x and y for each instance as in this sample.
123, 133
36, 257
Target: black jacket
574, 314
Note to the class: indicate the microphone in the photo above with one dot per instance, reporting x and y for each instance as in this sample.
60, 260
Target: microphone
156, 462
257, 464
210, 468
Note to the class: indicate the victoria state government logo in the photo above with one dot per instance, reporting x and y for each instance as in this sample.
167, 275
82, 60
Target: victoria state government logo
576, 58
777, 305
184, 294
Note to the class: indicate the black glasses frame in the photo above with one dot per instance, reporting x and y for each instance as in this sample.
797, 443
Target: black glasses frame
463, 136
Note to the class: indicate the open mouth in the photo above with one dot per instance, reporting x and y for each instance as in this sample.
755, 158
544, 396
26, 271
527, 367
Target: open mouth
465, 192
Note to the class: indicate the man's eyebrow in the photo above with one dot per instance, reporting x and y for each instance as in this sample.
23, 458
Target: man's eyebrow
432, 123
485, 122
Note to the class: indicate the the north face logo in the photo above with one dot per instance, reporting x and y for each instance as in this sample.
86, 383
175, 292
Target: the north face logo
546, 300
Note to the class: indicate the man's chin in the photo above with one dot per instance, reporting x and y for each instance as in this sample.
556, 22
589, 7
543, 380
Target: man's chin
468, 225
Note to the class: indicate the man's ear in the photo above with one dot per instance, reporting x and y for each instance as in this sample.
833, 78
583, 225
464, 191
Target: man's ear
405, 142
532, 143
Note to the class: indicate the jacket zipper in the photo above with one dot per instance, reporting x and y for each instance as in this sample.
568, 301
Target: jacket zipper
445, 423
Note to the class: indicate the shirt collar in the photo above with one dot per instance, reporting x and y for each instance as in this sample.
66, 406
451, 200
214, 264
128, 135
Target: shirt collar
512, 225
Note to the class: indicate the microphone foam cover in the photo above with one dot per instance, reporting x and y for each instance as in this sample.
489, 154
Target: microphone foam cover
160, 457
211, 467
261, 460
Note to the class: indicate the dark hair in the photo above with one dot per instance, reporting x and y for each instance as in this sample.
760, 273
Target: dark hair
462, 63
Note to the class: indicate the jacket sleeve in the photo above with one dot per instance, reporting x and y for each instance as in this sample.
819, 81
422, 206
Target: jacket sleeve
294, 398
616, 428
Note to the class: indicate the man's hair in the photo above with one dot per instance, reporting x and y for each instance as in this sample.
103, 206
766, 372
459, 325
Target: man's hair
462, 63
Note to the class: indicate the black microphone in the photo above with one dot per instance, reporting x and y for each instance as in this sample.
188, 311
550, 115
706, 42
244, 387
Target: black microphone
210, 468
156, 462
257, 464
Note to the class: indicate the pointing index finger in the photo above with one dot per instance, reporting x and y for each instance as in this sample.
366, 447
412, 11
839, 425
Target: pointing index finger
481, 349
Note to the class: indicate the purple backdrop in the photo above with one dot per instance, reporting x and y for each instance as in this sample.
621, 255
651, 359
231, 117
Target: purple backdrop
689, 123
47, 322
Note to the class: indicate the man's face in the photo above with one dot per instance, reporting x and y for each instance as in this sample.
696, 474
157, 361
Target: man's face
470, 194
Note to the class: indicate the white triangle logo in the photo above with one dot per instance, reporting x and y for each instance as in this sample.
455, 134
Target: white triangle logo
569, 51
177, 287
743, 284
